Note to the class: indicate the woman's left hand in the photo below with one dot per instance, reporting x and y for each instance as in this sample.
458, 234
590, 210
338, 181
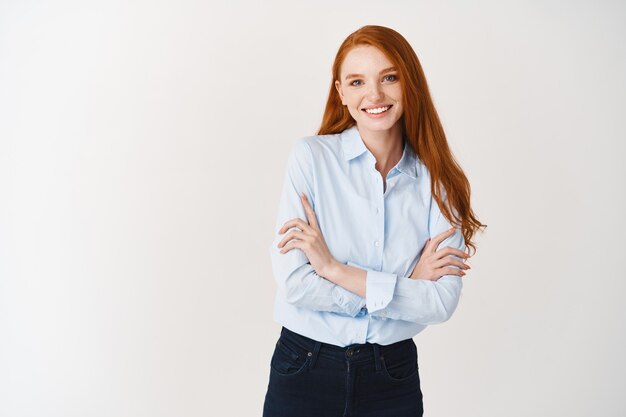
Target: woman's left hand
308, 239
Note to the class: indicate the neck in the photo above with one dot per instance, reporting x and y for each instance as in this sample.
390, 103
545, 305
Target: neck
386, 146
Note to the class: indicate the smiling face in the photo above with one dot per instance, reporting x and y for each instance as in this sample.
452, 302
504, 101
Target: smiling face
369, 86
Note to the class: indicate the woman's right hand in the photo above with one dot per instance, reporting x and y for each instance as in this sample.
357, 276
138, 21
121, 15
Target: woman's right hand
434, 264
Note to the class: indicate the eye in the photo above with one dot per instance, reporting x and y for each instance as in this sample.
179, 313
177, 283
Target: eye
390, 77
355, 81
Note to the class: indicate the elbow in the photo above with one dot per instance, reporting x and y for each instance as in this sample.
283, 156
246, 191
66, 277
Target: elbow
439, 315
445, 313
292, 294
289, 271
444, 304
446, 310
293, 289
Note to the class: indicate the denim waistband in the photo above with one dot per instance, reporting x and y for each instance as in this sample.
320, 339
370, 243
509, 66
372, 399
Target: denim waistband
354, 352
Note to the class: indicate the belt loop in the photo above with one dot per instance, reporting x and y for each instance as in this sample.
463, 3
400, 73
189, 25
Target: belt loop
316, 351
376, 356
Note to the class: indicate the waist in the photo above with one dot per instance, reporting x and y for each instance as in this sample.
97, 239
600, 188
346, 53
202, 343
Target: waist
355, 351
343, 330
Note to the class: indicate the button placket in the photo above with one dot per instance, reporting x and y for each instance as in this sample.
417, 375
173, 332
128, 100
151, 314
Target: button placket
380, 231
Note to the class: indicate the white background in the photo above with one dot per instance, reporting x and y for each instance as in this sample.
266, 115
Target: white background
142, 150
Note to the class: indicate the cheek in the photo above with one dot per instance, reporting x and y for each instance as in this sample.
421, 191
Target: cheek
353, 104
351, 100
395, 92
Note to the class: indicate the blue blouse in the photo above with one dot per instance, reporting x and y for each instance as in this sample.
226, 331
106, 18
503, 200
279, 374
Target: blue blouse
382, 232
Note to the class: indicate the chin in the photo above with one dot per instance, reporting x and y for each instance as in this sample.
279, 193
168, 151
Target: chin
376, 125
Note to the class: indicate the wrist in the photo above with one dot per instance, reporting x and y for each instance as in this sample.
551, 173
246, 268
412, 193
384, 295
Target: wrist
331, 271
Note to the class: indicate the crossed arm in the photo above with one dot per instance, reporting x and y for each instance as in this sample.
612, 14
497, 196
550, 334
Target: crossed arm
418, 298
311, 278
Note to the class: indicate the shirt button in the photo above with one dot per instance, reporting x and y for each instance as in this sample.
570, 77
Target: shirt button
377, 243
377, 210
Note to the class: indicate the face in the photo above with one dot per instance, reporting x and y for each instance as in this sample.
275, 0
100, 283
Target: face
370, 88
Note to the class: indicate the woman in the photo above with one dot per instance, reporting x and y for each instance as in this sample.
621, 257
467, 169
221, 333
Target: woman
358, 275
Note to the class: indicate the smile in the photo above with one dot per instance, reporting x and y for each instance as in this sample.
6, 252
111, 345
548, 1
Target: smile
377, 110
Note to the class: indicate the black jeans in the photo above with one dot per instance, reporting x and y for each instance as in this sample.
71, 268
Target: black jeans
310, 378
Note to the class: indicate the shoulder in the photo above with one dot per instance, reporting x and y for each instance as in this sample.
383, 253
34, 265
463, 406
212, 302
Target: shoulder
317, 147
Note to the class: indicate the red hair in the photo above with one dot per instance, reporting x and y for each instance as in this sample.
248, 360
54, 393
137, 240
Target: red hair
420, 124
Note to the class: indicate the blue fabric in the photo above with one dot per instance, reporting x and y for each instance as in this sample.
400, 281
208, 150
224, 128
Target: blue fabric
380, 232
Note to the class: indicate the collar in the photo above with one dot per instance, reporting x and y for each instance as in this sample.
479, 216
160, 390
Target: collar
353, 146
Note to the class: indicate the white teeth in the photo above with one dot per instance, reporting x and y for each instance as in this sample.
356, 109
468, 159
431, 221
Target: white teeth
377, 110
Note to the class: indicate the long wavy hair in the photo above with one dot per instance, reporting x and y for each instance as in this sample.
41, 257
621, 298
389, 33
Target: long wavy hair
420, 124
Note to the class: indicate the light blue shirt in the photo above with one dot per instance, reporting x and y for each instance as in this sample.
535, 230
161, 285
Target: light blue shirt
381, 232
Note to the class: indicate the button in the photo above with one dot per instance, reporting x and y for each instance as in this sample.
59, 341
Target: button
383, 313
377, 243
377, 210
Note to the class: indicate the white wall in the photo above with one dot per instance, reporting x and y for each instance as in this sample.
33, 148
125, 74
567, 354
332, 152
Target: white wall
142, 149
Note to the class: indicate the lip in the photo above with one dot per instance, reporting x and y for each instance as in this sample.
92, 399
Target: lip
377, 106
377, 115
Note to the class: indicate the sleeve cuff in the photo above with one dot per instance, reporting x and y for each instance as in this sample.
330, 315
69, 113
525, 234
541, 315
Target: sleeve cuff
379, 288
350, 302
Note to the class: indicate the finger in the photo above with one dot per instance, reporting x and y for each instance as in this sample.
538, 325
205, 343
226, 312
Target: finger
294, 234
439, 238
449, 260
292, 244
297, 222
450, 271
449, 250
310, 214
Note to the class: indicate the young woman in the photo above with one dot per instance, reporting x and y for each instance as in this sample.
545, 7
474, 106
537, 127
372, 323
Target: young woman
357, 271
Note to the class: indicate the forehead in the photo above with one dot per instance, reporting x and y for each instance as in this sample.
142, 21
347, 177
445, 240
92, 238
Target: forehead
364, 59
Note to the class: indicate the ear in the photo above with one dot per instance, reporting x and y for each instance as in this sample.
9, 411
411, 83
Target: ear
338, 87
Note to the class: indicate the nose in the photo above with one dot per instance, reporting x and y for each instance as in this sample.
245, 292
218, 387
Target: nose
375, 92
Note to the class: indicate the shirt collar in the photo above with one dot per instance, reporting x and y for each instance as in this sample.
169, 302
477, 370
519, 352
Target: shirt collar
353, 146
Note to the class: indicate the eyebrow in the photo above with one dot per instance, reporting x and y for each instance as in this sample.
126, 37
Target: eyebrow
361, 75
